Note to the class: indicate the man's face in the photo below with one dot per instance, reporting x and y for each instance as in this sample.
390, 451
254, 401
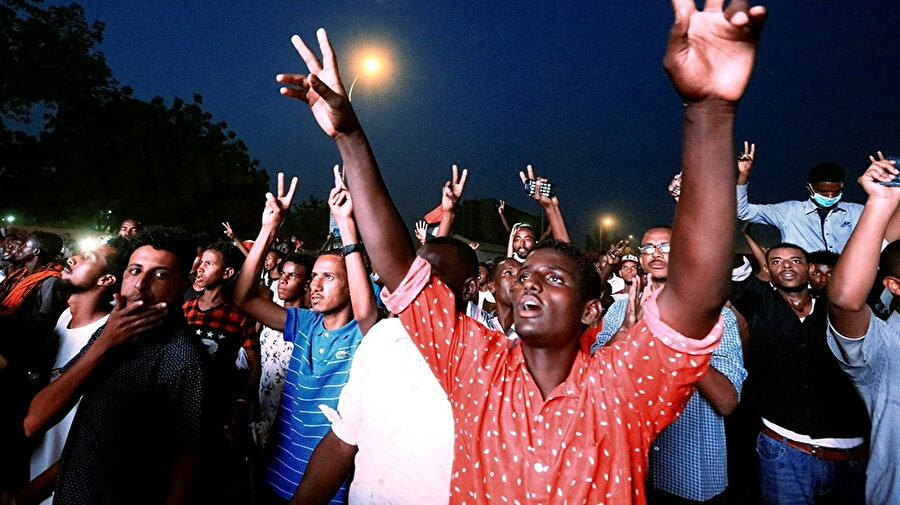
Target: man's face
788, 269
271, 262
292, 283
27, 250
328, 289
627, 271
129, 227
153, 276
547, 305
10, 247
656, 263
505, 275
827, 189
482, 276
523, 241
83, 271
819, 275
211, 271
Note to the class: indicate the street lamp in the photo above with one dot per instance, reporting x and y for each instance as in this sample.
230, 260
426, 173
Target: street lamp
606, 224
371, 61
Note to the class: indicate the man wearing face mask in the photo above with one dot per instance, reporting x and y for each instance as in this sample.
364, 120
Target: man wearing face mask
821, 223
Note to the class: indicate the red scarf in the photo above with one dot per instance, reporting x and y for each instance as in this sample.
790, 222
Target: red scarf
18, 285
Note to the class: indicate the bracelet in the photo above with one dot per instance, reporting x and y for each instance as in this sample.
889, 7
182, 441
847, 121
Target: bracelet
352, 248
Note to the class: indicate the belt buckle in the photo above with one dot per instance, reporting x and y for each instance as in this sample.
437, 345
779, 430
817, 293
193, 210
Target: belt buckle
815, 450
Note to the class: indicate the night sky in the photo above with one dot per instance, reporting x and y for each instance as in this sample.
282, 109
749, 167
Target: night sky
576, 89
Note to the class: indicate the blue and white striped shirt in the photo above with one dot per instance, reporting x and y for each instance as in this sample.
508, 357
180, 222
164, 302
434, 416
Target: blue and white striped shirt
319, 368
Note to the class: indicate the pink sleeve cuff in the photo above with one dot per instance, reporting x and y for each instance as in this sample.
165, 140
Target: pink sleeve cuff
675, 340
415, 281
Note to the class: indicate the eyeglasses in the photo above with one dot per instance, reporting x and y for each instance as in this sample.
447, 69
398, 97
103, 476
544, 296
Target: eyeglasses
664, 248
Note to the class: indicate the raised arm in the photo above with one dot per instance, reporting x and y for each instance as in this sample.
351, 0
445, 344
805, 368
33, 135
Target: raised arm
856, 269
381, 227
550, 205
450, 195
234, 238
709, 60
362, 296
501, 207
758, 252
246, 295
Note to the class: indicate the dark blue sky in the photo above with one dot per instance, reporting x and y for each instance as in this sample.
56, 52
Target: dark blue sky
574, 88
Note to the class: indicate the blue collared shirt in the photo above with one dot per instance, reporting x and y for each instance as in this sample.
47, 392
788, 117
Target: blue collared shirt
318, 370
689, 458
800, 224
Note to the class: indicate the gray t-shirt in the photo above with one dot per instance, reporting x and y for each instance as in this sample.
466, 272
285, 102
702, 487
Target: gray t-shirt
873, 363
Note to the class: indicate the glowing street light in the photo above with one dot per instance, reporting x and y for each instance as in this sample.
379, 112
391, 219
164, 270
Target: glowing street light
370, 61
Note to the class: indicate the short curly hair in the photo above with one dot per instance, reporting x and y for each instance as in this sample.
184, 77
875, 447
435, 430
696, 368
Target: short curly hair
589, 285
174, 240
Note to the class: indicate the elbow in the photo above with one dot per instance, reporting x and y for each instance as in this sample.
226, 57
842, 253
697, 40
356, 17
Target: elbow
726, 405
843, 299
31, 425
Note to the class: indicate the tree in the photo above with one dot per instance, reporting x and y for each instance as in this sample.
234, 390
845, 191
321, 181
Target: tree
102, 154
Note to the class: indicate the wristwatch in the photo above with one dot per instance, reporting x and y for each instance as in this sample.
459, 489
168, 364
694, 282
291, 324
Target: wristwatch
352, 248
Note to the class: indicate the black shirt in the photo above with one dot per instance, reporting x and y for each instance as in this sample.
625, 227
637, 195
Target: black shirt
142, 408
793, 379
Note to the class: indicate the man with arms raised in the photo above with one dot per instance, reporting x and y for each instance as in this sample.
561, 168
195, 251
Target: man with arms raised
325, 338
868, 348
543, 421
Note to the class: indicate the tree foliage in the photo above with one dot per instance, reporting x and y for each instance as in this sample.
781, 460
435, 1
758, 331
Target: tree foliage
103, 154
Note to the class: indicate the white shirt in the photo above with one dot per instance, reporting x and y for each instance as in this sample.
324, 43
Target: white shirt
71, 340
395, 411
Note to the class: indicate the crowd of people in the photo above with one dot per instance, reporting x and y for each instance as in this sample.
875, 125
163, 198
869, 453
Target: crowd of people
151, 370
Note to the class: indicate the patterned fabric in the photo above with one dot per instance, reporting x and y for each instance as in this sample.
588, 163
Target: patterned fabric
143, 408
873, 362
225, 321
484, 317
800, 224
319, 368
689, 458
587, 442
275, 357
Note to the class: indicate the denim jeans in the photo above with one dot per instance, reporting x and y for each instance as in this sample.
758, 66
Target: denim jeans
789, 476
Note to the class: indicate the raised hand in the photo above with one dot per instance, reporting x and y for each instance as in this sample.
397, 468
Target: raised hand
613, 256
339, 200
422, 231
544, 201
277, 205
675, 187
880, 170
453, 189
745, 159
228, 231
322, 89
711, 52
501, 207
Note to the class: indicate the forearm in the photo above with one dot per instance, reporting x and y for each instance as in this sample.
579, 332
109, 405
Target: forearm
329, 466
245, 287
382, 229
856, 270
556, 223
703, 231
183, 475
40, 488
446, 225
362, 296
505, 223
718, 391
52, 402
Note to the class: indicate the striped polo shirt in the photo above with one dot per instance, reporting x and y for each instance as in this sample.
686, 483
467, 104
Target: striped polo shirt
319, 368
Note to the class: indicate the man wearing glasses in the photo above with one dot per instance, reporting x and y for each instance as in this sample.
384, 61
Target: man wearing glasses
688, 459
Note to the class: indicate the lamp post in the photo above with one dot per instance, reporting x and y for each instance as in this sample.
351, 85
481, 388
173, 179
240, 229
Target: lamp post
606, 224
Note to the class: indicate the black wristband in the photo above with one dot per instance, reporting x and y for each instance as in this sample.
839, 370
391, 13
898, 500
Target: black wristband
352, 248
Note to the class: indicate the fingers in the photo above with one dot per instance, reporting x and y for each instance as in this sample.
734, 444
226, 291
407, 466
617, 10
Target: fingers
455, 178
714, 5
736, 12
328, 94
290, 194
462, 180
530, 171
338, 180
328, 57
312, 63
683, 10
522, 176
280, 184
752, 151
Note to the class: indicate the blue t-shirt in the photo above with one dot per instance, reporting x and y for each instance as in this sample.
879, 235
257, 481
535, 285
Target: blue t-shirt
319, 368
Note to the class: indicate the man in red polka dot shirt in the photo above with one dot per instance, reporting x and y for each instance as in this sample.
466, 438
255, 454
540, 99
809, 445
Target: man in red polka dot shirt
544, 422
